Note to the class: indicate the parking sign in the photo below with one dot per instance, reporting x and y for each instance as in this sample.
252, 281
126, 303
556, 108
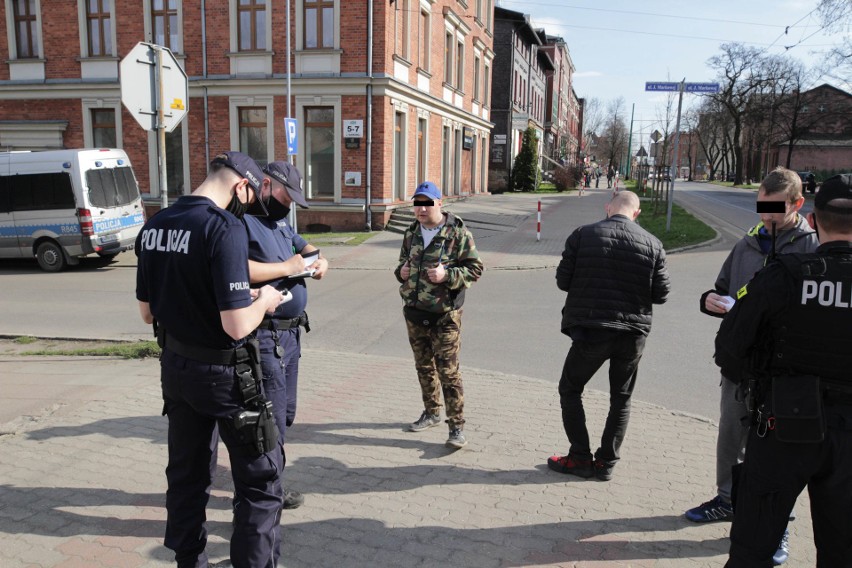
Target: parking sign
292, 136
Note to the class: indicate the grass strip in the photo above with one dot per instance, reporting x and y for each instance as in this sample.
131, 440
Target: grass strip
135, 350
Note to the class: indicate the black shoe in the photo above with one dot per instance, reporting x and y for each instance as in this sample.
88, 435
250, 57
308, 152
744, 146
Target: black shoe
603, 471
292, 499
569, 464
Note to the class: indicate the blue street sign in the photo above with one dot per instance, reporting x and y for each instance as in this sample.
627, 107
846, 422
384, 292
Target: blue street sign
702, 88
662, 86
292, 136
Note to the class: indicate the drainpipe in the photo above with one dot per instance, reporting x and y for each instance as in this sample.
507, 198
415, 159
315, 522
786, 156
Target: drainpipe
368, 194
204, 75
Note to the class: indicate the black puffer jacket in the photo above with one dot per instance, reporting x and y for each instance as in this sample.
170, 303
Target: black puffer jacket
613, 271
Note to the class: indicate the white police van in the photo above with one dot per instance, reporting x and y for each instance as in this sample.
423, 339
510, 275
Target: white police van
61, 205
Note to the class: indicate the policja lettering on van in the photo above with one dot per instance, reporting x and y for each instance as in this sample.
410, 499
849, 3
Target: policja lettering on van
176, 240
827, 293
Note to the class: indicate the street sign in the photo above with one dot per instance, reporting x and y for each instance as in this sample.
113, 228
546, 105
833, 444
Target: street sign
655, 136
662, 87
353, 128
642, 153
292, 136
702, 87
140, 91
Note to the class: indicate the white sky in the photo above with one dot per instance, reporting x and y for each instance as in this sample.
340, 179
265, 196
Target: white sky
618, 45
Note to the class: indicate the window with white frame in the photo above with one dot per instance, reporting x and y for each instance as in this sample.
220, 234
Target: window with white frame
253, 127
319, 24
486, 85
251, 25
422, 145
104, 134
26, 28
319, 152
476, 78
424, 44
99, 27
165, 25
460, 65
448, 57
402, 13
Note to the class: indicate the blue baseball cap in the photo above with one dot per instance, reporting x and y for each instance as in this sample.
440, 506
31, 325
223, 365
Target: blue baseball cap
289, 176
428, 189
836, 187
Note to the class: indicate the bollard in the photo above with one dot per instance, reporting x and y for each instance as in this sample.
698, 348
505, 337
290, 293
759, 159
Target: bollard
538, 224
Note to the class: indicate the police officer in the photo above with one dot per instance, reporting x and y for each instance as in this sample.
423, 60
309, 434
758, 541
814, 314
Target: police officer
789, 335
193, 280
275, 255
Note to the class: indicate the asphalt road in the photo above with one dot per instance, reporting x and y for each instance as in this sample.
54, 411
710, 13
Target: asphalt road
511, 319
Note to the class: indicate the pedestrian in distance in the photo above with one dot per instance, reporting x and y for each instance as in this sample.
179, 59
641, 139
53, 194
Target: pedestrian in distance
277, 256
750, 254
193, 281
609, 176
787, 338
598, 174
613, 272
438, 262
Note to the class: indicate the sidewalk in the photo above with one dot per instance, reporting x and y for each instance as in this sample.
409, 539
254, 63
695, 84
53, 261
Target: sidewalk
82, 481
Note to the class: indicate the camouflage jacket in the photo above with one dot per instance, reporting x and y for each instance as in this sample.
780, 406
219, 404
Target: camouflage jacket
453, 246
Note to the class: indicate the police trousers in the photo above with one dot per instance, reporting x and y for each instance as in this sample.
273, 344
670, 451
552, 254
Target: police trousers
281, 373
773, 475
197, 397
436, 358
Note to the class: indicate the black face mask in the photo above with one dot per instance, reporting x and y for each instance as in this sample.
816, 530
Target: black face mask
237, 207
277, 210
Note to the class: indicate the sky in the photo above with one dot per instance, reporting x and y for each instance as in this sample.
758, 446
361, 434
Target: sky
619, 45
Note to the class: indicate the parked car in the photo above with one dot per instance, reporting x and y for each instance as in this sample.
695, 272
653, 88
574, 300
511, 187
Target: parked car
808, 182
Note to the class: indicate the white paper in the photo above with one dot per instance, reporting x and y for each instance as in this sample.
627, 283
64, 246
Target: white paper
728, 302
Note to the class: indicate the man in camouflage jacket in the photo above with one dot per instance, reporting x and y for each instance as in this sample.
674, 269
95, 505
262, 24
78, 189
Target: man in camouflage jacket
437, 263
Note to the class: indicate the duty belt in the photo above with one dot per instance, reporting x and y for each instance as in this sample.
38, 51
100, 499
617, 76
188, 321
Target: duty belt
272, 323
200, 353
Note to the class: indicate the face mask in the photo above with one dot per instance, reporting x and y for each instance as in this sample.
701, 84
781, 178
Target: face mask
277, 210
237, 207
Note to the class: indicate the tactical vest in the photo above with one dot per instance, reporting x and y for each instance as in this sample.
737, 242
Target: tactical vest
815, 333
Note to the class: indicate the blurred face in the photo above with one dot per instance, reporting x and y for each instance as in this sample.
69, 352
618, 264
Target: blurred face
428, 211
782, 221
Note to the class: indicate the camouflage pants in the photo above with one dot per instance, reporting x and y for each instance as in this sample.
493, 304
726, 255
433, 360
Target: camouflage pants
436, 358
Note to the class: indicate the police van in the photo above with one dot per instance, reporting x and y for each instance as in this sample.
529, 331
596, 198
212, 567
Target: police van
61, 205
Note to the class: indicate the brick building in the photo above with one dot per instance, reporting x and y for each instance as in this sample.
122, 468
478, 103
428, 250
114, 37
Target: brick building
428, 86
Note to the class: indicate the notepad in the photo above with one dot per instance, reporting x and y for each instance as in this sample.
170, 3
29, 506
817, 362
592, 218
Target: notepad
309, 258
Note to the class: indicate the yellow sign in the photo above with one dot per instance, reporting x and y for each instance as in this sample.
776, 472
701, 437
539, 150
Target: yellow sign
177, 104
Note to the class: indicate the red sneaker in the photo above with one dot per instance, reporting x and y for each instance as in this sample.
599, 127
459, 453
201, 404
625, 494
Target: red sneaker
569, 464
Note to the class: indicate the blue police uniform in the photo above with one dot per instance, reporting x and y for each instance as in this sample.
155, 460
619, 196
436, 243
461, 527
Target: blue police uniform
193, 263
280, 334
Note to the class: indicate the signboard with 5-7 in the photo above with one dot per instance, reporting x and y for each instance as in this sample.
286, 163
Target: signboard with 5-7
353, 128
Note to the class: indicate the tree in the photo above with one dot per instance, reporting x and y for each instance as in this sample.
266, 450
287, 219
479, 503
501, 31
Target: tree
525, 169
736, 67
836, 15
613, 139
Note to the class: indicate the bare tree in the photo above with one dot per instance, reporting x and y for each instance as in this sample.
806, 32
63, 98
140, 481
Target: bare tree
613, 140
737, 68
593, 118
836, 15
713, 122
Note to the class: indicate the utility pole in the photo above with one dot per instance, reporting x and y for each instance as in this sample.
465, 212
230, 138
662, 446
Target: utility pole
629, 142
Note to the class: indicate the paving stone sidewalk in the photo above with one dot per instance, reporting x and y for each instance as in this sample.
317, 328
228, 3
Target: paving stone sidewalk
83, 485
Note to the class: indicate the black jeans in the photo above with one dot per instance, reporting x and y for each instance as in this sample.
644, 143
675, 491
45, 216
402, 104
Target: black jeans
624, 350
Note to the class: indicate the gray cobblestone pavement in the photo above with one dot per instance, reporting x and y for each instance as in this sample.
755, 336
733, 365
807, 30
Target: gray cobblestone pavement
82, 482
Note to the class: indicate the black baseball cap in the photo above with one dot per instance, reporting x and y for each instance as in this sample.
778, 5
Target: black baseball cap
289, 176
836, 187
246, 168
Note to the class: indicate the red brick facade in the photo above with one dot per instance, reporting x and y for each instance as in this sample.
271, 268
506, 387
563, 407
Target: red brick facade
58, 89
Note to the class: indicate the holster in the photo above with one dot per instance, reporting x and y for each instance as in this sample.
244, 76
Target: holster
257, 428
797, 404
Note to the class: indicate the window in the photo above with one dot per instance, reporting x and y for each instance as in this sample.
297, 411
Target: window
448, 58
164, 23
26, 28
476, 78
425, 36
421, 150
478, 10
98, 26
174, 162
403, 10
460, 66
251, 18
319, 152
38, 192
399, 160
253, 133
319, 24
112, 187
486, 85
103, 128
445, 160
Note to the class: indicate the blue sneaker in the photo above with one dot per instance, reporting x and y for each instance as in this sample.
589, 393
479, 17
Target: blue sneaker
717, 509
783, 553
